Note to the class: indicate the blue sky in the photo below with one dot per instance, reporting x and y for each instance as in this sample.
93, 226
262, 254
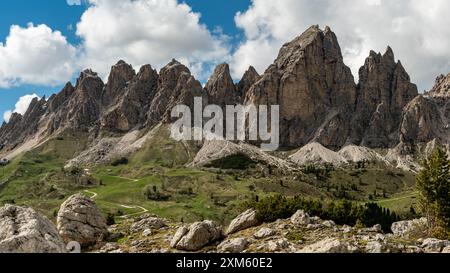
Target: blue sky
58, 15
39, 58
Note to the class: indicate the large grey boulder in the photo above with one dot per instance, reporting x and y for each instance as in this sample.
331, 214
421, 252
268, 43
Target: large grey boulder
196, 236
23, 230
246, 220
403, 228
80, 220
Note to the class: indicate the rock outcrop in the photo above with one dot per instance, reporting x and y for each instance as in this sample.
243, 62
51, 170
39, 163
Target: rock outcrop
196, 236
220, 87
243, 221
384, 89
176, 86
314, 88
427, 117
250, 77
23, 230
127, 98
80, 220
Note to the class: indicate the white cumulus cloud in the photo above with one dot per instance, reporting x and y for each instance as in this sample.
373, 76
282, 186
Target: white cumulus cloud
35, 55
21, 106
146, 31
417, 31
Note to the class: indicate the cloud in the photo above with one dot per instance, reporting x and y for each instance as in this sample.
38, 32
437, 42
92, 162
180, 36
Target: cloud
417, 31
147, 31
35, 55
21, 106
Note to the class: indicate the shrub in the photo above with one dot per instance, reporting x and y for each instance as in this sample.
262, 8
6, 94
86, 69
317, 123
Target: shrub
343, 212
120, 161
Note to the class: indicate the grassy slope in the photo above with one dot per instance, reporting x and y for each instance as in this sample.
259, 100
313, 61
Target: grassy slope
37, 179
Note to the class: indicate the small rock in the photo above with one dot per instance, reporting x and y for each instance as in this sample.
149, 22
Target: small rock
236, 245
446, 249
154, 223
264, 233
330, 245
196, 236
328, 224
300, 218
147, 232
432, 245
245, 220
277, 245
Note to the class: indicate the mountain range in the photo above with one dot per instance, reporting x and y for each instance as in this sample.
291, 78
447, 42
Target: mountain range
318, 97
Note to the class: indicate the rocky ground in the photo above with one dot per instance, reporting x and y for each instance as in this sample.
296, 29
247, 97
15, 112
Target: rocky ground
79, 220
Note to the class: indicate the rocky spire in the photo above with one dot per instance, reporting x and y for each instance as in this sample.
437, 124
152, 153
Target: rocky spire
130, 109
314, 88
384, 89
176, 86
119, 77
220, 87
250, 77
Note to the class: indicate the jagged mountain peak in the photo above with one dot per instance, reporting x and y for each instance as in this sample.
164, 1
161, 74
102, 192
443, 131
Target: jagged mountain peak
220, 86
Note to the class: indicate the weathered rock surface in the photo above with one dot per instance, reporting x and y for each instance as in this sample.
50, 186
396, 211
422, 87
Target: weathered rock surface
148, 222
80, 220
245, 220
432, 245
236, 245
314, 88
196, 236
330, 245
176, 86
384, 89
250, 77
23, 230
264, 233
404, 228
301, 218
220, 87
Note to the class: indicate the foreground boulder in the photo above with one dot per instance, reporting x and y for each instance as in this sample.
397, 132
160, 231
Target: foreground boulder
80, 220
301, 218
432, 245
23, 230
246, 220
236, 245
404, 228
196, 236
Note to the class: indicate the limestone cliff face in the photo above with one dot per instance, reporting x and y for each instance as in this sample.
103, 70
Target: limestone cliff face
220, 87
176, 86
427, 117
384, 89
441, 87
129, 110
314, 88
250, 77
